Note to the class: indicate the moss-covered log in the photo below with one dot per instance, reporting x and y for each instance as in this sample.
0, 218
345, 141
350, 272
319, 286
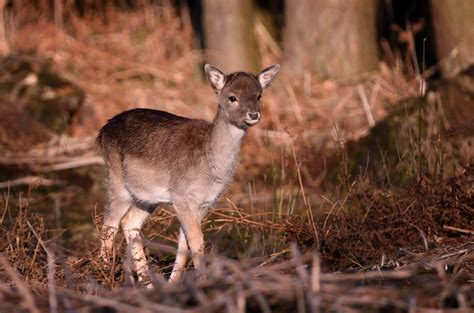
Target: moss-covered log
431, 136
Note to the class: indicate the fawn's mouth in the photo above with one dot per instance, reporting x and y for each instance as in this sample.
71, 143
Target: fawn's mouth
251, 122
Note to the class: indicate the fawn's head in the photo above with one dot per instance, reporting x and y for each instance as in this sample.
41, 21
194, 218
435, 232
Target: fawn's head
239, 93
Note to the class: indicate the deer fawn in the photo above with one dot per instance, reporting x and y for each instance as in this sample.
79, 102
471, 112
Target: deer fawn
155, 157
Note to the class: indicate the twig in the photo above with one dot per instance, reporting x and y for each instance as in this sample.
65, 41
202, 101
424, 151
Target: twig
294, 102
316, 274
34, 181
38, 238
459, 230
303, 275
64, 145
74, 163
366, 106
306, 201
158, 247
316, 283
448, 255
124, 307
28, 299
261, 30
402, 274
247, 281
53, 300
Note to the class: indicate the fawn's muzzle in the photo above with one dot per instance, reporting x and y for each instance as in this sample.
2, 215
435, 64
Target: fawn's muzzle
252, 118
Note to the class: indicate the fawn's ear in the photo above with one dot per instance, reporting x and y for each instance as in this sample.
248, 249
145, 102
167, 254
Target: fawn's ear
215, 76
266, 76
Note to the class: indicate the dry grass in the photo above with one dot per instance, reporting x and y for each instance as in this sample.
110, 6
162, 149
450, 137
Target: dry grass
411, 261
234, 288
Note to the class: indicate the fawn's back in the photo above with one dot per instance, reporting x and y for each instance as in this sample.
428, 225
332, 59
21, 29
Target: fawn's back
156, 138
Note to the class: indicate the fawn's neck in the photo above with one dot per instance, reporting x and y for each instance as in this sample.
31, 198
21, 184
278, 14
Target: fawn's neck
223, 148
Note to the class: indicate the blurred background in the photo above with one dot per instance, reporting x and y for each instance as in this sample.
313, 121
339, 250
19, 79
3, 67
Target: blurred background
371, 114
122, 54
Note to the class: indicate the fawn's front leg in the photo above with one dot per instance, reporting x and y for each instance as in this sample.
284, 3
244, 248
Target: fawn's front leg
191, 224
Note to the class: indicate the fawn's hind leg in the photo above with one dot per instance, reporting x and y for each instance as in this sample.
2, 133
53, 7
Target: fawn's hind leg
132, 223
119, 202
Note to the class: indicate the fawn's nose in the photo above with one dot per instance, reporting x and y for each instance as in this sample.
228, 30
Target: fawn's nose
253, 116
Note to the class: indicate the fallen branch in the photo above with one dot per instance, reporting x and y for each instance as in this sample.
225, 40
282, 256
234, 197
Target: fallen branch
73, 163
33, 181
459, 230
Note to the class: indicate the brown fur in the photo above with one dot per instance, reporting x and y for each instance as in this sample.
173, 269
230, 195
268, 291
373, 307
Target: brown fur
154, 136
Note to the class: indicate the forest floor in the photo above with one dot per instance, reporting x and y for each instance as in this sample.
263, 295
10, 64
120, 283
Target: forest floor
299, 230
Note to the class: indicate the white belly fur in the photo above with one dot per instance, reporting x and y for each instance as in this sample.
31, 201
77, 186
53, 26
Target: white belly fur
146, 185
142, 183
151, 194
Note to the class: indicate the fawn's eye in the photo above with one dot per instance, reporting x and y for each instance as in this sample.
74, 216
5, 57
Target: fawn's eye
232, 99
259, 97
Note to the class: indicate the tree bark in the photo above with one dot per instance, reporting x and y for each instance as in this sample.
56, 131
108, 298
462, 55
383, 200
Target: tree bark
229, 35
453, 22
334, 39
3, 34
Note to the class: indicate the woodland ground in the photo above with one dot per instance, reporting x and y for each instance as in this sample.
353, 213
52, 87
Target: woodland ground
298, 230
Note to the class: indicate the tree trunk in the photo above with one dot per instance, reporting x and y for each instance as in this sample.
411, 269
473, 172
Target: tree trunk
298, 35
454, 30
229, 35
335, 39
3, 34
